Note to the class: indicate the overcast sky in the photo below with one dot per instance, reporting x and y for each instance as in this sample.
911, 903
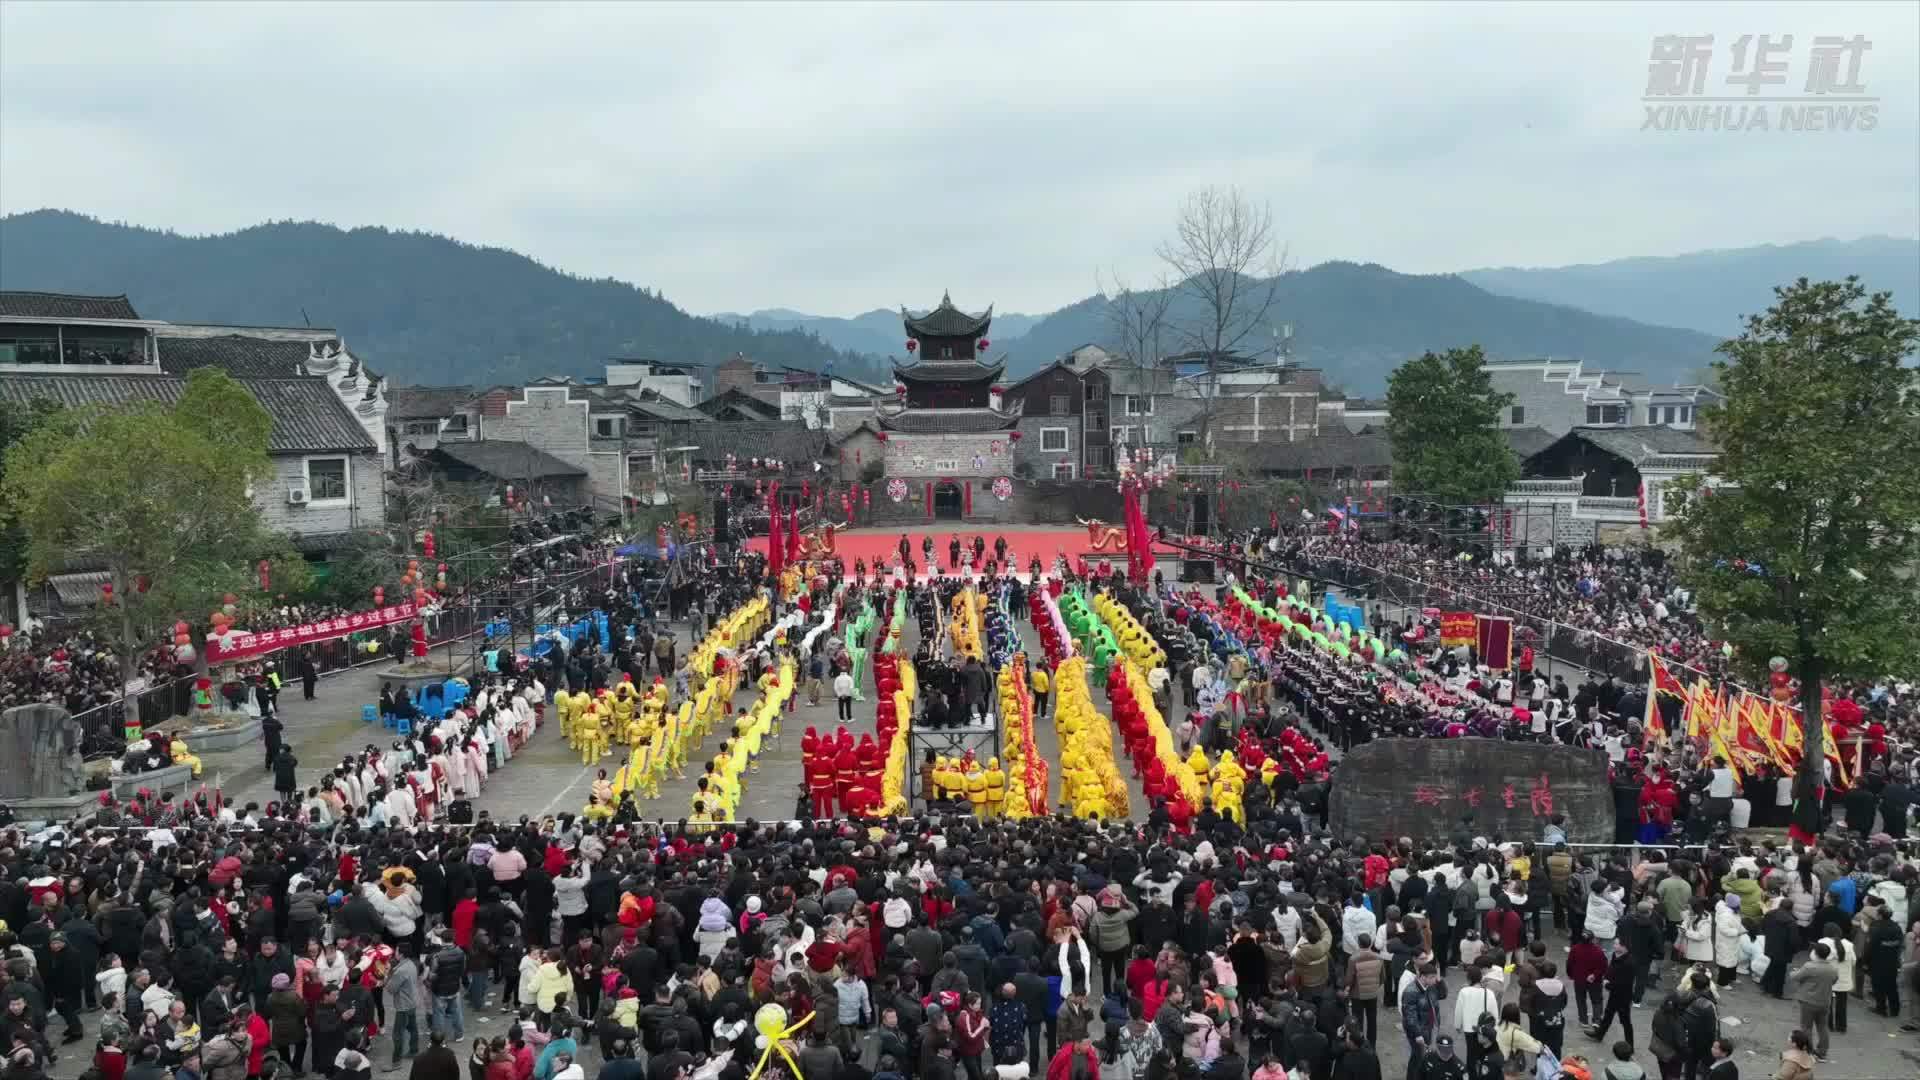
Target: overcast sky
840, 158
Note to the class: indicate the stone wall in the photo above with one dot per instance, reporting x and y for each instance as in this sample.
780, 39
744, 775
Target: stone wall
42, 745
930, 457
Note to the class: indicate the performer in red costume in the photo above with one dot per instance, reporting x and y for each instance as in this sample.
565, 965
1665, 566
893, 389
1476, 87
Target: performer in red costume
846, 766
817, 764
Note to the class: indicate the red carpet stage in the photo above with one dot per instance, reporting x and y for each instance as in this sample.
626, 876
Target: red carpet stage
1023, 543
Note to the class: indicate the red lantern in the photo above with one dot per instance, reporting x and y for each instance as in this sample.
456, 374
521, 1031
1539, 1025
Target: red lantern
141, 583
912, 345
983, 344
880, 435
419, 598
443, 570
1014, 435
846, 503
426, 542
379, 596
265, 572
999, 389
806, 490
866, 498
180, 628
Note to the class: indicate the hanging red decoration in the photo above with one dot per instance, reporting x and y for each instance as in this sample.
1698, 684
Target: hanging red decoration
983, 344
426, 543
1014, 435
866, 499
265, 569
856, 456
141, 583
880, 435
912, 345
806, 489
379, 596
998, 389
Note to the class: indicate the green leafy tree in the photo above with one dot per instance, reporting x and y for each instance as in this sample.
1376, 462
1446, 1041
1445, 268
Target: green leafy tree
17, 421
1442, 419
1805, 549
159, 497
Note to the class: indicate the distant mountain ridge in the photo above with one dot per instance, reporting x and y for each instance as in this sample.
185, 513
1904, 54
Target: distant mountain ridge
875, 333
1713, 291
1357, 322
422, 308
429, 309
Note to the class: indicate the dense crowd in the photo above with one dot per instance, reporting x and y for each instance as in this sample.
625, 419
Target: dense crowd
926, 948
1633, 596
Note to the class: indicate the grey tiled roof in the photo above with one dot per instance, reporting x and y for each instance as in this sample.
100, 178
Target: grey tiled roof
307, 416
946, 321
1528, 441
1636, 444
948, 421
739, 399
507, 459
1336, 449
950, 371
787, 440
426, 402
43, 305
235, 354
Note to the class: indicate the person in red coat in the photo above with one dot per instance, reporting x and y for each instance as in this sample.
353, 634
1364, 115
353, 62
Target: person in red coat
1064, 1066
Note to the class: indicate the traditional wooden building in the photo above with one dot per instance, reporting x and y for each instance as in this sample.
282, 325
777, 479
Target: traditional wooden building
948, 433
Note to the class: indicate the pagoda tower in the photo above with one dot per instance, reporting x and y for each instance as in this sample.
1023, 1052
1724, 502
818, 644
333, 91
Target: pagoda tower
947, 430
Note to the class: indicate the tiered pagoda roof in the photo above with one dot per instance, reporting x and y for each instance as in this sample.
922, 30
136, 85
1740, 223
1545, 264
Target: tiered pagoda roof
915, 421
949, 371
946, 321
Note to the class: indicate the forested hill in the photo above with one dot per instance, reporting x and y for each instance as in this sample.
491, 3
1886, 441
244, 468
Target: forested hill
421, 308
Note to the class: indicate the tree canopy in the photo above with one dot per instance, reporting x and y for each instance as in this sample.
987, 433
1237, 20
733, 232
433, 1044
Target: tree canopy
159, 497
1443, 418
1804, 547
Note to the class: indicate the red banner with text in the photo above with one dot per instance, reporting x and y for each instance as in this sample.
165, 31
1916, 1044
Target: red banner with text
244, 645
1459, 628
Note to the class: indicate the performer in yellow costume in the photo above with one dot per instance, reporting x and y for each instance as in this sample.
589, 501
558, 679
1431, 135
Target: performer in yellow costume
563, 708
977, 789
182, 755
996, 788
1197, 762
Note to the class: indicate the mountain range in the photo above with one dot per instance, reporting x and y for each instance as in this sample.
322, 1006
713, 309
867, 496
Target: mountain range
1713, 291
428, 309
423, 309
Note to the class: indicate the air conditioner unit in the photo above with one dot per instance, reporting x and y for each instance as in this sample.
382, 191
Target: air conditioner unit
297, 494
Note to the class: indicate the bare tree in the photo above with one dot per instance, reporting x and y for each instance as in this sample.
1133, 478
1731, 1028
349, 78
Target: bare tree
1137, 318
1227, 264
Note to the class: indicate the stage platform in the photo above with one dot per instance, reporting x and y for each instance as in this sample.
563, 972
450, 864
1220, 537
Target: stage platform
1023, 543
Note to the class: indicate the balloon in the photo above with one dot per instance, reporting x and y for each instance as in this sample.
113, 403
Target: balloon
183, 653
228, 608
1778, 663
181, 628
769, 1019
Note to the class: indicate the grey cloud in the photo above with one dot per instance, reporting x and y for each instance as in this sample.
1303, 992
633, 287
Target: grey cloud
839, 158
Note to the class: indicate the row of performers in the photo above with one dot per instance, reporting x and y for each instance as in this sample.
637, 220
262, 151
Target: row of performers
962, 779
844, 777
1222, 782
